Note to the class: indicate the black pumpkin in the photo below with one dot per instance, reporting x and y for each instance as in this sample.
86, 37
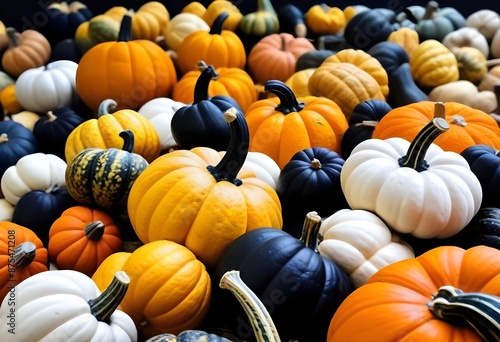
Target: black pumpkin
52, 130
390, 55
484, 161
300, 289
367, 28
291, 20
310, 181
38, 209
66, 49
312, 59
202, 123
188, 335
362, 122
104, 177
16, 141
63, 19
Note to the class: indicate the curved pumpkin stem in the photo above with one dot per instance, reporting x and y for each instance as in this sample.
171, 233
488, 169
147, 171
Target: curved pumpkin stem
229, 166
367, 123
415, 157
106, 107
208, 73
94, 230
218, 23
480, 311
316, 164
125, 33
103, 306
310, 230
51, 117
24, 254
128, 140
262, 323
4, 138
288, 101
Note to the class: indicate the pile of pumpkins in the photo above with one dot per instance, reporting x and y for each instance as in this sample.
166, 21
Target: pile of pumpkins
337, 170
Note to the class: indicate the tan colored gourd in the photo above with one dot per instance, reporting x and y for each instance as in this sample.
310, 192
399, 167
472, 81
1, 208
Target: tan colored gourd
467, 93
466, 36
491, 79
485, 21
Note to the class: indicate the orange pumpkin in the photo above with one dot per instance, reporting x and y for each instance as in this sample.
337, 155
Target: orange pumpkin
9, 100
274, 57
218, 47
395, 304
22, 255
81, 238
232, 82
131, 72
284, 125
468, 126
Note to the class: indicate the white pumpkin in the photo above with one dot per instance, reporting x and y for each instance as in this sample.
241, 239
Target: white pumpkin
48, 87
66, 306
159, 112
36, 171
26, 118
180, 26
485, 21
467, 36
415, 188
6, 210
360, 243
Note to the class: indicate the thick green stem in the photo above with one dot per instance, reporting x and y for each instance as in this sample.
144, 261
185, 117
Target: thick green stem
125, 33
415, 157
229, 166
128, 140
94, 230
106, 107
480, 311
218, 23
262, 324
103, 306
208, 73
310, 230
288, 101
24, 254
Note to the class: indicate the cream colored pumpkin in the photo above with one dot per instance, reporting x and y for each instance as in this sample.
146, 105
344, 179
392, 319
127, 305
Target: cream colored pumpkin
485, 21
6, 210
466, 36
180, 26
495, 45
25, 118
467, 93
491, 79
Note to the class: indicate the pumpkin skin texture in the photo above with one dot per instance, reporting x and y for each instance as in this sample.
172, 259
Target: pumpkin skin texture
101, 72
72, 309
179, 198
284, 125
33, 257
16, 141
81, 238
180, 26
64, 19
426, 192
169, 290
468, 126
398, 295
484, 161
366, 29
275, 265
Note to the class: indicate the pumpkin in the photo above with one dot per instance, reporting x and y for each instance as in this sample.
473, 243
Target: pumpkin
22, 255
323, 19
471, 64
489, 80
274, 56
28, 49
101, 28
312, 59
159, 112
310, 181
292, 20
484, 161
284, 125
9, 101
48, 87
262, 22
495, 45
220, 207
101, 73
72, 306
216, 8
194, 7
299, 82
16, 141
365, 116
52, 130
202, 123
484, 228
180, 26
26, 118
365, 62
81, 238
233, 82
433, 64
406, 299
103, 132
35, 171
486, 21
103, 177
416, 188
188, 335
360, 243
6, 210
218, 47
63, 19
406, 37
467, 37
5, 80
466, 93
367, 28
166, 280
345, 84
275, 265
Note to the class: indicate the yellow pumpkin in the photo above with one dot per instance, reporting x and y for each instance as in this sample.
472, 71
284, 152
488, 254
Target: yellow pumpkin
406, 37
9, 100
217, 7
323, 19
299, 82
471, 64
